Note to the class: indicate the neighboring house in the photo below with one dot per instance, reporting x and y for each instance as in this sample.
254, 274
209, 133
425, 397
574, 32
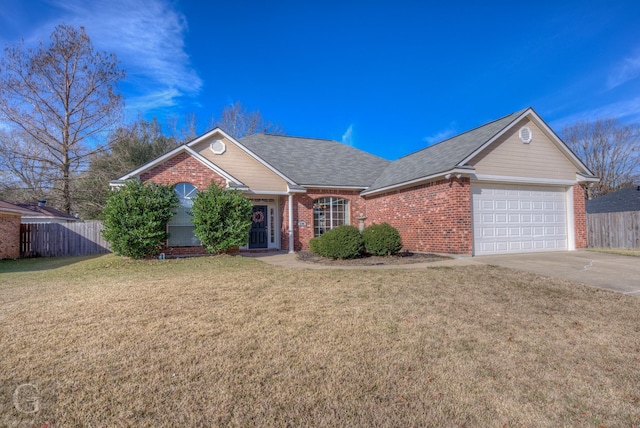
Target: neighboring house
10, 216
41, 213
621, 200
510, 185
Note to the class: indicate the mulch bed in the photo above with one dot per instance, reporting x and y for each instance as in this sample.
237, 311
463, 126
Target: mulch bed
403, 258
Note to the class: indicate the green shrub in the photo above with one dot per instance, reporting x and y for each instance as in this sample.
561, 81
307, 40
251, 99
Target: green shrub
342, 242
135, 218
381, 240
221, 218
315, 245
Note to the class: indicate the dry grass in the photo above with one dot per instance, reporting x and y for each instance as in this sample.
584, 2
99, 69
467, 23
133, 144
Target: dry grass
232, 341
634, 252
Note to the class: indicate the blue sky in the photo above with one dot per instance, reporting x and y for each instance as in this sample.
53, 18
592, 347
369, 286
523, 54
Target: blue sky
388, 77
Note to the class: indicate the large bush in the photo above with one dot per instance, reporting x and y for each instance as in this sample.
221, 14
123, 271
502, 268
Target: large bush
381, 240
222, 218
135, 218
315, 245
342, 242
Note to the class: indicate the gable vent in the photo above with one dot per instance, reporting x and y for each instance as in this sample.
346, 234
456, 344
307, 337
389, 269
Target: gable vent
525, 134
218, 147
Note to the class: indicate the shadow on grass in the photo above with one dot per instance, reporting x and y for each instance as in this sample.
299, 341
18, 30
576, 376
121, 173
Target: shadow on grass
42, 263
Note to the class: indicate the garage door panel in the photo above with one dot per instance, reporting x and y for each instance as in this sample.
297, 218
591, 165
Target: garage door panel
518, 219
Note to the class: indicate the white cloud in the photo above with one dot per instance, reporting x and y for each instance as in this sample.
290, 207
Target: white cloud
625, 71
627, 110
148, 39
441, 135
347, 137
164, 98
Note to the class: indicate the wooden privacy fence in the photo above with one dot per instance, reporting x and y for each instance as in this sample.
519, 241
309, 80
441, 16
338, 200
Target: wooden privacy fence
614, 230
62, 239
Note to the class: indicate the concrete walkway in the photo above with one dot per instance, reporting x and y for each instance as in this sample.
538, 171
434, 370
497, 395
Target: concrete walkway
607, 271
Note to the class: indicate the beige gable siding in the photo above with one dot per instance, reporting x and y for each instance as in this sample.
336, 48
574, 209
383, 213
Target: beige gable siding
243, 167
509, 156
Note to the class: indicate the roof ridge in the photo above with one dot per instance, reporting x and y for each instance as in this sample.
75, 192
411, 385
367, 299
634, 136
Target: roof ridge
291, 136
465, 132
316, 139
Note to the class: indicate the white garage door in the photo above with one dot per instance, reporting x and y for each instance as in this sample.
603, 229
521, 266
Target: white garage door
518, 219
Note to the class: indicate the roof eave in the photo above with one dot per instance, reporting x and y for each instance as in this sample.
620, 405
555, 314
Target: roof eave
465, 171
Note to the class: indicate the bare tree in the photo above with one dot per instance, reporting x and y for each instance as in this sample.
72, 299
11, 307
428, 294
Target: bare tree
611, 150
185, 132
60, 100
24, 177
133, 146
238, 122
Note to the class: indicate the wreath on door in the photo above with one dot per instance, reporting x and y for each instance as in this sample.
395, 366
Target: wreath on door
258, 217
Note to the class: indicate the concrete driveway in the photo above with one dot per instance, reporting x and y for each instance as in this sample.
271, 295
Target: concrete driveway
608, 271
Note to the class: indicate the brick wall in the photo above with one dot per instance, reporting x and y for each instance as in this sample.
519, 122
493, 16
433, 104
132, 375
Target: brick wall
183, 251
433, 217
183, 168
580, 215
303, 211
9, 236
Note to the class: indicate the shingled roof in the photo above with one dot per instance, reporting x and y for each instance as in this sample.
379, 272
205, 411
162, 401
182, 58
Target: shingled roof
40, 210
315, 162
622, 200
442, 156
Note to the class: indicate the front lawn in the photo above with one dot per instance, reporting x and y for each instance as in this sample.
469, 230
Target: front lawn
231, 341
633, 252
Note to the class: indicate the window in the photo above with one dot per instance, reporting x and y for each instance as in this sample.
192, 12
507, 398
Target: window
180, 226
328, 213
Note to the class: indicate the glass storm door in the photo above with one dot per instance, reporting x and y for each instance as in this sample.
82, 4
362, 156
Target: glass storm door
258, 234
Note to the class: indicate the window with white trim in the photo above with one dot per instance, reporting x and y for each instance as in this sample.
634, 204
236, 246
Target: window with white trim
180, 227
329, 212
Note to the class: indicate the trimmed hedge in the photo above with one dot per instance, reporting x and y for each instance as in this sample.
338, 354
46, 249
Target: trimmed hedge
381, 240
342, 242
221, 218
315, 245
135, 218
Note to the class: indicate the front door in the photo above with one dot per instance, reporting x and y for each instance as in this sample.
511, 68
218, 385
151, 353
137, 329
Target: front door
258, 233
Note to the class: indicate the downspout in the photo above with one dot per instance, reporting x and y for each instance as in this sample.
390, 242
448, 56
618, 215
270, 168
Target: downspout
291, 223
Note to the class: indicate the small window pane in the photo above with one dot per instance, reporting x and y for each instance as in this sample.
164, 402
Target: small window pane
182, 236
180, 227
328, 213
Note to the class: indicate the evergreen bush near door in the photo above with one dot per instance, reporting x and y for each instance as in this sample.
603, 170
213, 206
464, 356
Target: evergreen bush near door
135, 218
221, 218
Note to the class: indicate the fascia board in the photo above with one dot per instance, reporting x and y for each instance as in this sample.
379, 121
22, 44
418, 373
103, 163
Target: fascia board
153, 163
206, 162
494, 138
521, 180
540, 122
246, 150
466, 171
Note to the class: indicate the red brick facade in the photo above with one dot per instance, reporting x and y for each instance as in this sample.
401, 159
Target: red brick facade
580, 215
433, 217
303, 213
10, 233
183, 168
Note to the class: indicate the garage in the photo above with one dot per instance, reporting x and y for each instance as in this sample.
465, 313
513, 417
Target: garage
519, 219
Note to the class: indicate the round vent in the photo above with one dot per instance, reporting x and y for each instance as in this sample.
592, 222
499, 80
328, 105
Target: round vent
218, 147
525, 134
